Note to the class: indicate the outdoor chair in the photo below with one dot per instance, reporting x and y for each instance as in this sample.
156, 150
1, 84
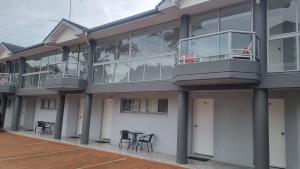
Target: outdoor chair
146, 139
39, 125
49, 127
125, 138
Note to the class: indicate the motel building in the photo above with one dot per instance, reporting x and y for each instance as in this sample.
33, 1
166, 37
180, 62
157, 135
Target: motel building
212, 79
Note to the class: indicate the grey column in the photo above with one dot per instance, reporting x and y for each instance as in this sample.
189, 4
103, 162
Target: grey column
21, 63
3, 109
261, 129
260, 28
86, 119
65, 53
59, 116
16, 113
182, 127
90, 61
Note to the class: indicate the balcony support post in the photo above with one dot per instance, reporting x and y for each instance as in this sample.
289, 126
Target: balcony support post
59, 117
86, 119
3, 110
16, 114
261, 129
92, 45
182, 127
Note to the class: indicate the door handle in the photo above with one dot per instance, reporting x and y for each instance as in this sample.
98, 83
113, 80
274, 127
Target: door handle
282, 133
195, 126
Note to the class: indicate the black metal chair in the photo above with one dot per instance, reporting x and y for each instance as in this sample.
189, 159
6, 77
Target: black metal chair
49, 127
147, 139
125, 138
39, 125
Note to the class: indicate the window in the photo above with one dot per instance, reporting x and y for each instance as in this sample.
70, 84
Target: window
144, 105
130, 105
282, 55
281, 16
37, 68
236, 18
48, 104
205, 24
143, 55
157, 105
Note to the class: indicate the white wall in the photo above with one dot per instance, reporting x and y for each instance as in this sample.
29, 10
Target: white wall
42, 114
96, 115
70, 120
163, 126
9, 114
233, 131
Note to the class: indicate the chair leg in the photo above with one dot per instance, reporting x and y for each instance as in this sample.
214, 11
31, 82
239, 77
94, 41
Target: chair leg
148, 148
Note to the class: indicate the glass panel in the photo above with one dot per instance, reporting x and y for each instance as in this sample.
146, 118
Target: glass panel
122, 71
282, 55
32, 65
167, 67
123, 49
152, 69
73, 54
242, 44
138, 46
83, 53
35, 80
44, 66
152, 105
42, 80
109, 71
56, 69
169, 39
27, 81
71, 69
98, 74
137, 70
109, 53
204, 49
236, 18
281, 16
153, 44
56, 57
204, 23
100, 53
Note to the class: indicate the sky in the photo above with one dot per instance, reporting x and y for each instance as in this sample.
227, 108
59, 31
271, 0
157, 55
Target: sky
28, 22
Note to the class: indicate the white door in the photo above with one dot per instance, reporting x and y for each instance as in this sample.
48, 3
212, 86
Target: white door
80, 116
277, 133
107, 118
203, 126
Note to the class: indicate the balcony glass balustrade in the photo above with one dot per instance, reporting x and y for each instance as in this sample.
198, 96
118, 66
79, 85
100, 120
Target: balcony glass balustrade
76, 70
218, 46
8, 78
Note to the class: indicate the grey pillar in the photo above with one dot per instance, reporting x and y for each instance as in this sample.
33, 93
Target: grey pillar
16, 113
90, 61
261, 129
59, 117
260, 28
21, 64
3, 109
184, 33
86, 119
65, 53
182, 127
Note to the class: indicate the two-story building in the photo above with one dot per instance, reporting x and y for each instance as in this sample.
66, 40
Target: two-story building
212, 79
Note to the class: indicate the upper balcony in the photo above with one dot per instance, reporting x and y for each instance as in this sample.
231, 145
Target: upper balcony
229, 57
8, 82
67, 76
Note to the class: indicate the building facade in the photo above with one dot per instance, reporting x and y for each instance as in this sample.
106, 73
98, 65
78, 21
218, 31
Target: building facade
211, 79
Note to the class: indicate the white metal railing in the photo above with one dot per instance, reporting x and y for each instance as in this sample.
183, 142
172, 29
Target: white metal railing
76, 70
218, 46
8, 78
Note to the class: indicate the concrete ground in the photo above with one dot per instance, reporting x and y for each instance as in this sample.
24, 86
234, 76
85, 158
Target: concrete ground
156, 157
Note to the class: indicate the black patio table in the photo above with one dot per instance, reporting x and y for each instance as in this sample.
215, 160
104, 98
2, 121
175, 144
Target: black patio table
134, 137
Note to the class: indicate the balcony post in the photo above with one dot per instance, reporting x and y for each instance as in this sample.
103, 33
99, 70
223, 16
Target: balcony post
21, 64
184, 33
59, 116
16, 113
91, 49
261, 129
259, 27
65, 58
3, 110
86, 119
182, 127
